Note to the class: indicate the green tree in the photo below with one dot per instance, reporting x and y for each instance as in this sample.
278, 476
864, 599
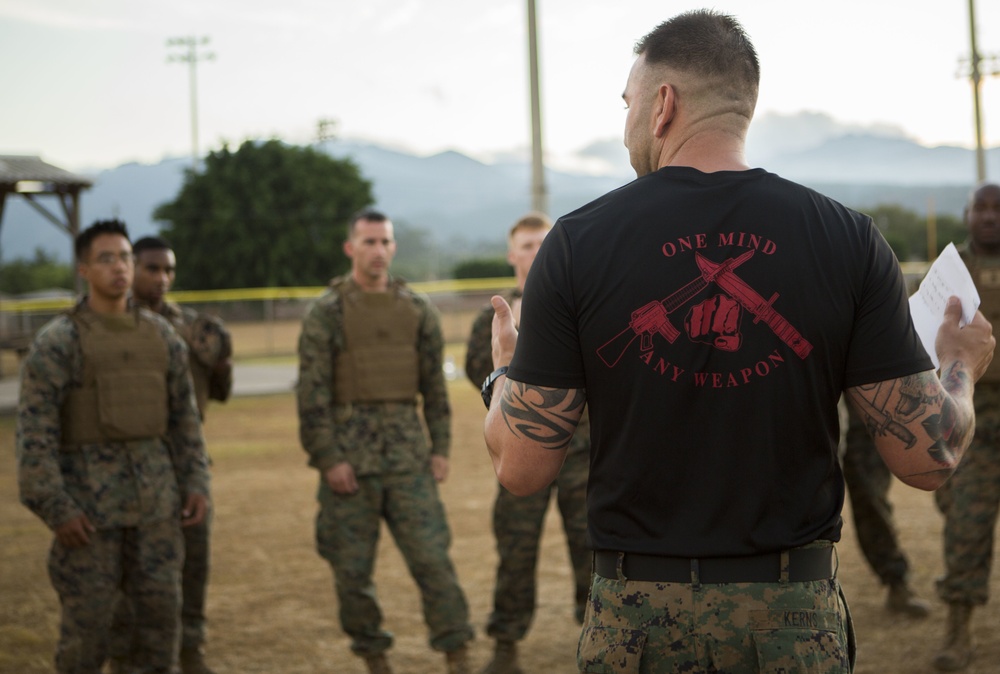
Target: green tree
269, 214
906, 230
950, 229
483, 268
41, 273
417, 257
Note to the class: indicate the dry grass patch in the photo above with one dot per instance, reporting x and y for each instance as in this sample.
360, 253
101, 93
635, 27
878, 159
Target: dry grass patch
271, 603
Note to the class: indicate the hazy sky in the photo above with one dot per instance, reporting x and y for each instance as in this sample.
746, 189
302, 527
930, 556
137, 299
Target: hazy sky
86, 83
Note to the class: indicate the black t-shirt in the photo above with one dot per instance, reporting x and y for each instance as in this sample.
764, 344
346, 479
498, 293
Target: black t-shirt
714, 320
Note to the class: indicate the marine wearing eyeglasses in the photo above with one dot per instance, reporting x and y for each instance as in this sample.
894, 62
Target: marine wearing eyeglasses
111, 457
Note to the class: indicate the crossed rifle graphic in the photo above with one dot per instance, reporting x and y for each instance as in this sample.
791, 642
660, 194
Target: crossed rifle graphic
654, 317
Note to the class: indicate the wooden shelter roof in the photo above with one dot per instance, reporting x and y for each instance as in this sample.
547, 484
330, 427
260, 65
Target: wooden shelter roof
17, 168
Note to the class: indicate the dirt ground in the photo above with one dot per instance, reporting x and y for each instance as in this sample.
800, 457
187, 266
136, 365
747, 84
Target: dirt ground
271, 603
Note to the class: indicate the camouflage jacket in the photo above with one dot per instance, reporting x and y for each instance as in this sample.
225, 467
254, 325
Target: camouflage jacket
116, 484
374, 438
479, 365
208, 344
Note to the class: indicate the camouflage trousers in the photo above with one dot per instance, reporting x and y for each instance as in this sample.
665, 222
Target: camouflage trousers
969, 501
517, 525
347, 533
144, 563
194, 579
636, 627
868, 480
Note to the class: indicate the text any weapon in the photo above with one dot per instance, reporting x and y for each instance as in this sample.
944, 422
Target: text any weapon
651, 318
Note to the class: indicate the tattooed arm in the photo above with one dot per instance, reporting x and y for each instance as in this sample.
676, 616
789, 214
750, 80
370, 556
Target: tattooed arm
528, 430
922, 423
528, 427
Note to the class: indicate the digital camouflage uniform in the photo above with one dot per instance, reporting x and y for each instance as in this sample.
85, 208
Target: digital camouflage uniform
130, 490
868, 480
209, 343
969, 500
518, 520
386, 445
689, 627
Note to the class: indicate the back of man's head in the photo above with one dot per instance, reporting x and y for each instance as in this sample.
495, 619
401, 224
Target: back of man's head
713, 48
81, 246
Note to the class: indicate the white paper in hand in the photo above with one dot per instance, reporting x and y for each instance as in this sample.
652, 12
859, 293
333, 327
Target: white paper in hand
947, 276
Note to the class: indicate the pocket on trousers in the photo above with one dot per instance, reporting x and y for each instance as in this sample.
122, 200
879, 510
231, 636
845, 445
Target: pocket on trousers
610, 650
799, 640
852, 637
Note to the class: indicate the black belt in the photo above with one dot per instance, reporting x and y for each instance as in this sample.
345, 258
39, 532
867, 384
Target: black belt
804, 564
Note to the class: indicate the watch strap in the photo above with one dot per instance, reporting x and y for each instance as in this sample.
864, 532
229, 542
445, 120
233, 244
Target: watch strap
487, 389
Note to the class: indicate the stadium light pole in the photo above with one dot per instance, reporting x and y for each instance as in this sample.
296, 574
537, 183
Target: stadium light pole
191, 56
539, 193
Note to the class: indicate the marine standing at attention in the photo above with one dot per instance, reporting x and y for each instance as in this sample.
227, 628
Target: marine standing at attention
209, 356
518, 520
370, 360
970, 500
111, 457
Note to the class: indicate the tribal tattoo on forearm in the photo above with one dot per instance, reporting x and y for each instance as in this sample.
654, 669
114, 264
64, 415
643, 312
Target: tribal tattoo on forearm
544, 415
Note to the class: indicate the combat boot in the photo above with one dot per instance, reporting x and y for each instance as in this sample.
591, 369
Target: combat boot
193, 661
901, 599
458, 661
504, 659
957, 651
378, 664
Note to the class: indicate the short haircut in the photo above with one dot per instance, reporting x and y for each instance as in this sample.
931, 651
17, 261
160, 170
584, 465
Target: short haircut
708, 44
531, 222
150, 243
365, 214
81, 246
981, 185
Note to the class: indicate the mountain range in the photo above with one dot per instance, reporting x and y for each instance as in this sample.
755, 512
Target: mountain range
465, 203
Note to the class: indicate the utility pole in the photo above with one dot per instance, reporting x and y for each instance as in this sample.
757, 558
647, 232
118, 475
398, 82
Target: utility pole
539, 194
191, 56
976, 61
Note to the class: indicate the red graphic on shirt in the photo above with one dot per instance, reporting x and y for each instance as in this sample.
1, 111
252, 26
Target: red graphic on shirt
653, 318
715, 321
752, 301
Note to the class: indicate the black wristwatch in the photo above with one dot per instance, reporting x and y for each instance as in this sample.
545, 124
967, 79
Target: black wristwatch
487, 389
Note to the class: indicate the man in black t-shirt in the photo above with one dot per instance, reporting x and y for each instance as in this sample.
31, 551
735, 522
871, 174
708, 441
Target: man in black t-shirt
710, 316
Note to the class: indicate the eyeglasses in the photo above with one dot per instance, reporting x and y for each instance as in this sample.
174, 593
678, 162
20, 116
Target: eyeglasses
109, 259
